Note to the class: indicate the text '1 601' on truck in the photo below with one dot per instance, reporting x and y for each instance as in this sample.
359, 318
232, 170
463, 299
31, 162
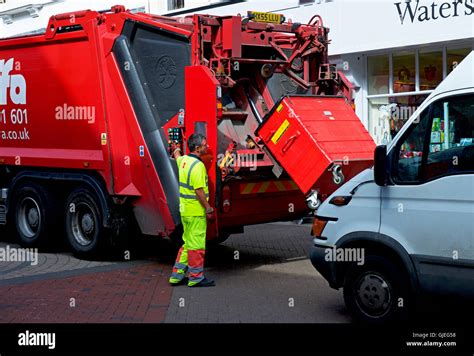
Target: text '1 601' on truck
90, 109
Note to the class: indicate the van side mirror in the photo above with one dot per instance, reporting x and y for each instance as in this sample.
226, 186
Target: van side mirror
380, 165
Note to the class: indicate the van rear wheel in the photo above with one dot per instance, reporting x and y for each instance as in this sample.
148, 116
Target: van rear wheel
84, 224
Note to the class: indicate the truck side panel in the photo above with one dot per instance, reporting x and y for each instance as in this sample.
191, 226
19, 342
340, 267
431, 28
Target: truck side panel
80, 113
61, 121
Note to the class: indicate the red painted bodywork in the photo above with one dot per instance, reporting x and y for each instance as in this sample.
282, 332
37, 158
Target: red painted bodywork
78, 68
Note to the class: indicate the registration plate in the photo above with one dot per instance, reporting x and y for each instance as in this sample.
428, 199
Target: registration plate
266, 17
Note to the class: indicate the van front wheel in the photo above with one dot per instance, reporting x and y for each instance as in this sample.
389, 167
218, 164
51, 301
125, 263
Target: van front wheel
376, 292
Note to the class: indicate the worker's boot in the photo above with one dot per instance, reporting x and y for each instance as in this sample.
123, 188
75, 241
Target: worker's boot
177, 282
206, 282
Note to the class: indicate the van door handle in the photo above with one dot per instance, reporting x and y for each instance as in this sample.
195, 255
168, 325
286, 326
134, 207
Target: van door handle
289, 142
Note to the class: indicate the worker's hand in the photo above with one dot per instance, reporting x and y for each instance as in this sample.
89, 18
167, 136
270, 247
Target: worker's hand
176, 145
211, 214
176, 150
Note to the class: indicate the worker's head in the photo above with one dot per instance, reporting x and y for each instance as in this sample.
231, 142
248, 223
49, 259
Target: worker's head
197, 144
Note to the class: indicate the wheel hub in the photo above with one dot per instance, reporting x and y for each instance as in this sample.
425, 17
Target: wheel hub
29, 218
84, 223
87, 223
374, 293
33, 217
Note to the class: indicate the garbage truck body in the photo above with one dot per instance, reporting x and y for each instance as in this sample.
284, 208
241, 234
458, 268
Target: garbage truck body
90, 110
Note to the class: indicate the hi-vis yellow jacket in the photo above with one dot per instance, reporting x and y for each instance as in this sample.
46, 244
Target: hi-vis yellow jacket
192, 176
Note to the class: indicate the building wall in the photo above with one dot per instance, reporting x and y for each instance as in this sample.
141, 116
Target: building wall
353, 66
168, 6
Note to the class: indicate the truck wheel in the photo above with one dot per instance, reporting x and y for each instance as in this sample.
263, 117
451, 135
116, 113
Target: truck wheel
376, 292
85, 231
35, 215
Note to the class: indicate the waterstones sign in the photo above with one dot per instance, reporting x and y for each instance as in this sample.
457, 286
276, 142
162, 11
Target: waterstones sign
414, 11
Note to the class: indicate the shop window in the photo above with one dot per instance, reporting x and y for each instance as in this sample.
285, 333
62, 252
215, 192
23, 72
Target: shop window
455, 56
431, 70
378, 120
388, 115
378, 74
404, 72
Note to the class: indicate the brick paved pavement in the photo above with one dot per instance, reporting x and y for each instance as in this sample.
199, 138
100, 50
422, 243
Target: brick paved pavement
271, 281
263, 275
47, 263
127, 292
62, 288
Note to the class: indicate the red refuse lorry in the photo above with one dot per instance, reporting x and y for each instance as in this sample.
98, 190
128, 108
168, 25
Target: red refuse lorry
90, 109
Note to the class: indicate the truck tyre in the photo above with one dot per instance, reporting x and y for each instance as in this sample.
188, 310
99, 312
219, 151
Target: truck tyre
377, 293
85, 232
35, 215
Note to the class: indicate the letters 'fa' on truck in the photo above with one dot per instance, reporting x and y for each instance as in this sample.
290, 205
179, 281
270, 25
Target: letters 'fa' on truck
90, 109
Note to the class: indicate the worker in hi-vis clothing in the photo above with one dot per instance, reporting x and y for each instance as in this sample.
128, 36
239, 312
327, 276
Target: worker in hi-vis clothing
195, 211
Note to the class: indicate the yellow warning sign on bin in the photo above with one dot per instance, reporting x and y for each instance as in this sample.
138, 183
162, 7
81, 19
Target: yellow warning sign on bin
281, 130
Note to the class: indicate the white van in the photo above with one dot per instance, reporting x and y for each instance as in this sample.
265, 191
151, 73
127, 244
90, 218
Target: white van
406, 226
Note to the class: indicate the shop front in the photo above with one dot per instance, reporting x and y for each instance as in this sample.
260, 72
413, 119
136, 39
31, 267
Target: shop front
399, 81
